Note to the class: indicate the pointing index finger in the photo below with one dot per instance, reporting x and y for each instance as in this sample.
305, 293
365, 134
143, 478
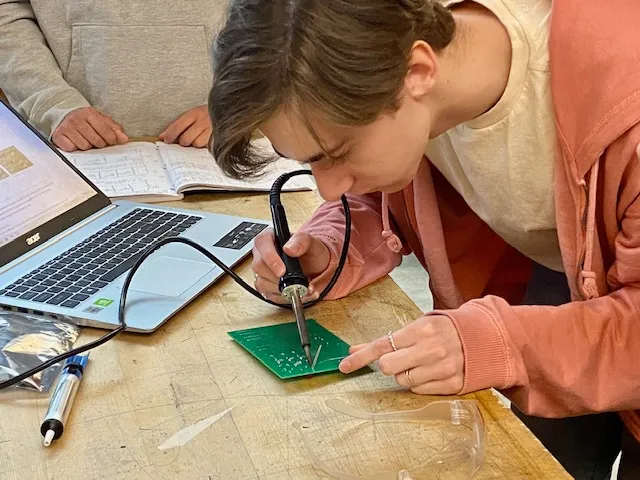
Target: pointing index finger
371, 352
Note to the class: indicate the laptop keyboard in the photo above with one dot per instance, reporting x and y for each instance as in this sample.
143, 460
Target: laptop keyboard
86, 268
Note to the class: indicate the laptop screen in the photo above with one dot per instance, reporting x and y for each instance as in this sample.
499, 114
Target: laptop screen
37, 185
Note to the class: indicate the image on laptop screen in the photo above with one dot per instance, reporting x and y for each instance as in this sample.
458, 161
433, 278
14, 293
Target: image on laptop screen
36, 185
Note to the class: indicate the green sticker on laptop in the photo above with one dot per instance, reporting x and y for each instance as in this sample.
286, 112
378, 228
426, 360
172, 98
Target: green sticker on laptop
103, 302
278, 348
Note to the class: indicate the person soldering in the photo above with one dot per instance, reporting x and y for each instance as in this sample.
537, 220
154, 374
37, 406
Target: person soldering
497, 140
93, 74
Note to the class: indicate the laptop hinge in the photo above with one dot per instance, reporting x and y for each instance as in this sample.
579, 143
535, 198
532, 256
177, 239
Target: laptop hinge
57, 238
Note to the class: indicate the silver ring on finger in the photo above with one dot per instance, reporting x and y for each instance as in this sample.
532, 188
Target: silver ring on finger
393, 344
407, 376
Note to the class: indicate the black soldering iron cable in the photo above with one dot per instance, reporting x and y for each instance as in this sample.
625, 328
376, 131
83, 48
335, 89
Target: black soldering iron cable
122, 325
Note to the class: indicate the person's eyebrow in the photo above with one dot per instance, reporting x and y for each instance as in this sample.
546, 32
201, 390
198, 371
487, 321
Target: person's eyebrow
318, 156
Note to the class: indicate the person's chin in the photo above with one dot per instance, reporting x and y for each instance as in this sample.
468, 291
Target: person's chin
395, 187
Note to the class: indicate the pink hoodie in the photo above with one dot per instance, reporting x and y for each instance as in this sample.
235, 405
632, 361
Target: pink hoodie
551, 361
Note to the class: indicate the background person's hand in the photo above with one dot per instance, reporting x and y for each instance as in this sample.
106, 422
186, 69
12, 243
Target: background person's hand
268, 266
86, 128
191, 129
429, 348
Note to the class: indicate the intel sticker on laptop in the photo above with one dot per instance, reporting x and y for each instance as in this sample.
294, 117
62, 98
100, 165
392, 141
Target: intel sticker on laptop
103, 302
98, 305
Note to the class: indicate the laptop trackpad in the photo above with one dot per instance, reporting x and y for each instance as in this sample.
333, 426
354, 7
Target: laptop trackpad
168, 276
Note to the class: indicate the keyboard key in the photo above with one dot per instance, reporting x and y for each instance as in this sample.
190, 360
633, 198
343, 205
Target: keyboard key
148, 228
91, 277
83, 283
67, 271
73, 278
73, 289
55, 289
70, 304
163, 229
90, 290
47, 282
49, 271
28, 295
79, 297
81, 272
57, 276
30, 283
3, 291
98, 272
63, 283
39, 288
39, 277
12, 294
123, 267
59, 298
43, 297
20, 288
99, 284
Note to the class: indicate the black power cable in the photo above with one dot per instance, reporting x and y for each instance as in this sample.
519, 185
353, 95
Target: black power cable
122, 325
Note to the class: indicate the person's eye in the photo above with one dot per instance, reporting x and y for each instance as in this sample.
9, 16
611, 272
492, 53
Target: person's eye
340, 158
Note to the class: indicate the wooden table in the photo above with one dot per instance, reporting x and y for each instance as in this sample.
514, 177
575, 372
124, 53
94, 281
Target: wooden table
141, 389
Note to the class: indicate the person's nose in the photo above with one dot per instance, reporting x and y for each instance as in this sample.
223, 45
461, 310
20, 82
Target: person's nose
332, 182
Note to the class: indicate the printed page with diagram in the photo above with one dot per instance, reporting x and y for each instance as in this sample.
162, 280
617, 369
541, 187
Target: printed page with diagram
133, 171
193, 169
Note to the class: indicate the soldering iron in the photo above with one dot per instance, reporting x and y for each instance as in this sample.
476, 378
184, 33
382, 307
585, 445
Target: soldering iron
293, 284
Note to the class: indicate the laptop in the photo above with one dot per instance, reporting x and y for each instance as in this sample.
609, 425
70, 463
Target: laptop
65, 248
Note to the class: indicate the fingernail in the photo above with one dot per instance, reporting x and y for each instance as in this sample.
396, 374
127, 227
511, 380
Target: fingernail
293, 247
344, 366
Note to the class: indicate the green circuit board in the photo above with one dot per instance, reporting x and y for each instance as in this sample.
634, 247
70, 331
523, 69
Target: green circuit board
278, 348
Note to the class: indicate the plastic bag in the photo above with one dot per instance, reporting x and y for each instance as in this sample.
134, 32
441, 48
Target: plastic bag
26, 341
444, 439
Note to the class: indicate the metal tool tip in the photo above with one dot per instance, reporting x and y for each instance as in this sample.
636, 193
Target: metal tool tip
307, 352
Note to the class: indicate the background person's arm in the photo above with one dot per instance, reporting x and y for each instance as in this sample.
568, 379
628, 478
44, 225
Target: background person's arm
29, 73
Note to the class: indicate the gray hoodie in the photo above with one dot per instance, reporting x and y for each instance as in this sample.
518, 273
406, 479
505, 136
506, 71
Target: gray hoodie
142, 62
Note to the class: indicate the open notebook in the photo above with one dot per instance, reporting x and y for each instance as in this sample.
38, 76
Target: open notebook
157, 172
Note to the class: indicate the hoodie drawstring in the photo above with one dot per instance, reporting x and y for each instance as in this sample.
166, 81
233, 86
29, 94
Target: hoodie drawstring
393, 242
589, 287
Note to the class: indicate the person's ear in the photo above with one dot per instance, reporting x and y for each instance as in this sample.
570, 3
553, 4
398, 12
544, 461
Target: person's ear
423, 67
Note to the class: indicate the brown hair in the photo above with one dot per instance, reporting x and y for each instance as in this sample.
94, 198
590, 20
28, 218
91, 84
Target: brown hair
343, 59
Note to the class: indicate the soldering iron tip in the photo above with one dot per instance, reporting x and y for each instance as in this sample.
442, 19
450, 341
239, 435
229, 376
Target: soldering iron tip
307, 352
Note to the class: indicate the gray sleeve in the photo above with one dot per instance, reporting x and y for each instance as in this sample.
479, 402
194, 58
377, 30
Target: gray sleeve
29, 73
